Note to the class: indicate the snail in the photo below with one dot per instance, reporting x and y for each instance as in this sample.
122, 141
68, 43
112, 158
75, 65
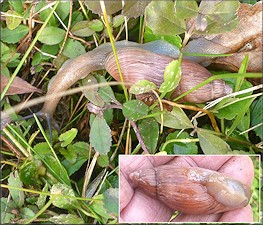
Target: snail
192, 190
137, 61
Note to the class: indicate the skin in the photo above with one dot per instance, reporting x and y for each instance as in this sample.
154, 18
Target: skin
135, 206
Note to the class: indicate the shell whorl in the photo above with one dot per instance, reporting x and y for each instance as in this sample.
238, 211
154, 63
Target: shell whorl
139, 64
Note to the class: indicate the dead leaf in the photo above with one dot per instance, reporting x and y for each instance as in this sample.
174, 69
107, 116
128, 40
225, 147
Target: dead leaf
246, 38
18, 86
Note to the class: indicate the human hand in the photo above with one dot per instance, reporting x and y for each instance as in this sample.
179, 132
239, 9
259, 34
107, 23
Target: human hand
135, 206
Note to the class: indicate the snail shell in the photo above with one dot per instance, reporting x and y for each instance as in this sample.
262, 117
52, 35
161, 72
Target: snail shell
192, 190
138, 64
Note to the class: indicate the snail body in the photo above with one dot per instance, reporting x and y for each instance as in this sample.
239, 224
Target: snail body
192, 190
138, 61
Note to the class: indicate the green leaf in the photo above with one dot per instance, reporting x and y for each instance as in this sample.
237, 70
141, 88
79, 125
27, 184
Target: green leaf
176, 119
73, 48
41, 201
173, 39
160, 18
17, 195
149, 131
105, 92
13, 22
52, 35
87, 28
92, 94
63, 9
26, 213
186, 9
142, 86
180, 148
14, 36
69, 154
111, 200
42, 150
61, 200
98, 207
66, 219
257, 116
28, 173
45, 13
231, 111
217, 16
134, 109
6, 209
100, 135
103, 160
212, 144
117, 21
67, 137
17, 5
172, 77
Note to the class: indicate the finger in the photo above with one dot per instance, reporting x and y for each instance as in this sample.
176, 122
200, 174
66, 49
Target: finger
143, 208
239, 167
126, 192
238, 215
183, 217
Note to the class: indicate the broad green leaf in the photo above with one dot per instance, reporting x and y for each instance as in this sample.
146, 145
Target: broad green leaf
173, 39
111, 200
26, 213
28, 173
103, 160
13, 22
45, 13
172, 77
7, 206
61, 200
180, 148
117, 21
87, 28
73, 48
134, 9
176, 119
161, 19
100, 135
66, 219
231, 111
134, 109
41, 201
44, 153
17, 195
17, 5
92, 94
105, 92
186, 9
52, 35
111, 6
63, 9
98, 207
95, 25
149, 131
142, 86
257, 116
14, 36
211, 144
67, 137
217, 16
49, 49
69, 154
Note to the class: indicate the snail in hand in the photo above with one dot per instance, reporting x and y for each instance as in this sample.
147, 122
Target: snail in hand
137, 62
192, 190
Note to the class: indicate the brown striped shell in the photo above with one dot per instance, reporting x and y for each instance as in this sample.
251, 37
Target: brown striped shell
192, 190
138, 64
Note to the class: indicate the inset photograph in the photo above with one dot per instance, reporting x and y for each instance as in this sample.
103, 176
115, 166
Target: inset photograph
189, 188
